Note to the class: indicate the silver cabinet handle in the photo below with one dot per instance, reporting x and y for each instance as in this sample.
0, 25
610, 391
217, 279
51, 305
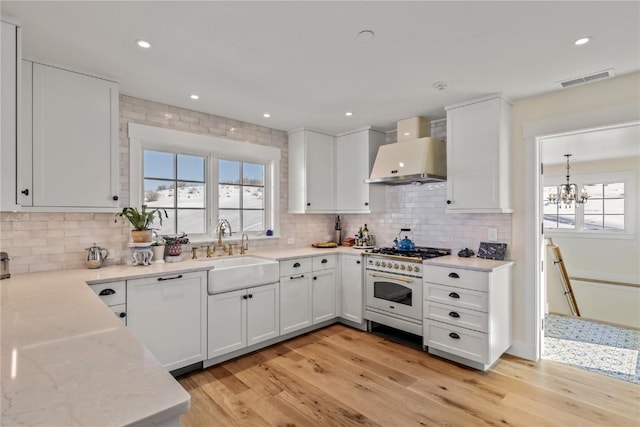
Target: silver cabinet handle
400, 279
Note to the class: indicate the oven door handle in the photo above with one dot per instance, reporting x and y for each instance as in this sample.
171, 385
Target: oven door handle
384, 276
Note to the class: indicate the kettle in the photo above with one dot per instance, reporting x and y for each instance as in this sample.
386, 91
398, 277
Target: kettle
96, 256
404, 244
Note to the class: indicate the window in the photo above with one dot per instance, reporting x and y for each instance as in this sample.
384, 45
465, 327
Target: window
241, 194
607, 210
176, 183
200, 179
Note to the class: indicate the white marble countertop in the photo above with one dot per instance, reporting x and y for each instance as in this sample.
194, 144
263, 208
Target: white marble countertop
471, 263
67, 360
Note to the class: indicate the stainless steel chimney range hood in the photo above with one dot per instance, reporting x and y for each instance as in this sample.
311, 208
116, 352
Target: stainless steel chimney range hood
415, 158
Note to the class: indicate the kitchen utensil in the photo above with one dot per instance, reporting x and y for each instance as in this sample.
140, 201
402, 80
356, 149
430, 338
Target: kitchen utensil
96, 256
404, 244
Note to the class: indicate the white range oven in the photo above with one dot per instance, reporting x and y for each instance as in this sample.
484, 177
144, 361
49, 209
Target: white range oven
393, 287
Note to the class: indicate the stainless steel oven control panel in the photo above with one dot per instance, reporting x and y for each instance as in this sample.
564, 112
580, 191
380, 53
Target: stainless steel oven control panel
393, 265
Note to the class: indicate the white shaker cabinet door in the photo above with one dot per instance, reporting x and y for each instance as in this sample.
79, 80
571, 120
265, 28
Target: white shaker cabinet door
263, 314
324, 295
75, 139
295, 303
8, 140
168, 314
352, 288
226, 322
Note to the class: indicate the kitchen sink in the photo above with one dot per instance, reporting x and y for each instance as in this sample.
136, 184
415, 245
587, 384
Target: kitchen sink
229, 274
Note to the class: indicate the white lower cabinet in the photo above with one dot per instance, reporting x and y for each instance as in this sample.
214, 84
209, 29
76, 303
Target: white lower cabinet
239, 319
352, 288
114, 295
324, 295
296, 302
467, 314
168, 314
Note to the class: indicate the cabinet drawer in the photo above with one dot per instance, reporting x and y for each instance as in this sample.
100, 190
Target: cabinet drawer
456, 316
457, 297
113, 293
468, 279
295, 266
120, 310
324, 262
462, 342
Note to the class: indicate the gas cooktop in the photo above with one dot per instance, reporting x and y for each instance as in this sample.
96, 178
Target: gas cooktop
418, 252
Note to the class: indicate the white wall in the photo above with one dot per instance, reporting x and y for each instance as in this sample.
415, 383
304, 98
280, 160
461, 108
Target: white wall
603, 103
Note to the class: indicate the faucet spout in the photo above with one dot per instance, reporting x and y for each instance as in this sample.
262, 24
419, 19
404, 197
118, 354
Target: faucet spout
244, 244
223, 225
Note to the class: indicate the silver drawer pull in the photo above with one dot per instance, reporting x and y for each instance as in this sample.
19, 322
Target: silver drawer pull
454, 336
105, 292
454, 314
454, 275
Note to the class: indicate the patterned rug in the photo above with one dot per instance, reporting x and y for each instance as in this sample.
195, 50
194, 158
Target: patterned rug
596, 347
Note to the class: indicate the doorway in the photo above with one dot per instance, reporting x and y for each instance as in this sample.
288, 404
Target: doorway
593, 223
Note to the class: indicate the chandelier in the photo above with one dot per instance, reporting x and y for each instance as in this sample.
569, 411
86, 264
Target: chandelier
568, 193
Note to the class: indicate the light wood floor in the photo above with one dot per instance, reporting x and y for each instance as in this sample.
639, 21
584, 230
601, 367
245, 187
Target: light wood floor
339, 376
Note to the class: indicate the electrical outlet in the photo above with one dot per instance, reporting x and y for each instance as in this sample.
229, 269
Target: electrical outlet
493, 235
291, 240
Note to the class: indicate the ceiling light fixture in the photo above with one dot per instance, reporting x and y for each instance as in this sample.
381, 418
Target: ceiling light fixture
365, 35
194, 96
348, 114
568, 193
582, 40
266, 115
143, 44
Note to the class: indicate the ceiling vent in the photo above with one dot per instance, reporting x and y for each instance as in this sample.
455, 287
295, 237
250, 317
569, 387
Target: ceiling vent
600, 75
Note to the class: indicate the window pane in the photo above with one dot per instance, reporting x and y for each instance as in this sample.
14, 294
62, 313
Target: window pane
190, 168
594, 190
191, 221
229, 172
233, 216
159, 193
550, 222
593, 206
566, 221
253, 198
229, 196
168, 224
253, 220
593, 222
614, 222
158, 164
253, 174
614, 206
614, 190
191, 195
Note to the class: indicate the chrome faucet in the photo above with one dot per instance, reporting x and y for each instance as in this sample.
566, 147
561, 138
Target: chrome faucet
223, 225
244, 244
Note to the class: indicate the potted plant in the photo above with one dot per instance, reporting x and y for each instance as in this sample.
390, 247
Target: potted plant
141, 221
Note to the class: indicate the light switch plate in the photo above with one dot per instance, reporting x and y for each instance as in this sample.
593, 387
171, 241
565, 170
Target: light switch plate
492, 235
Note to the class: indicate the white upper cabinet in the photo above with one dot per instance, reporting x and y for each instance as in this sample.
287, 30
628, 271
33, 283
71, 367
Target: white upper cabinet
74, 142
355, 154
312, 174
9, 139
478, 162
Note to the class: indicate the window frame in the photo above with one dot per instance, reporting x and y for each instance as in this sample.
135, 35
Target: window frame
626, 177
144, 137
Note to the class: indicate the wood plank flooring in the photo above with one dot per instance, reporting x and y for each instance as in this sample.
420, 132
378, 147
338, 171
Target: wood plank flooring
338, 376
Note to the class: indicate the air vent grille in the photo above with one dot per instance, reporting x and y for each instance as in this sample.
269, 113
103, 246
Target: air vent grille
600, 75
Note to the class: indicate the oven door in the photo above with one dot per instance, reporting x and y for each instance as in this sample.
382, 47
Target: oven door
394, 294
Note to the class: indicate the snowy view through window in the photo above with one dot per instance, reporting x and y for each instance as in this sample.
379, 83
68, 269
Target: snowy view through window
176, 182
604, 209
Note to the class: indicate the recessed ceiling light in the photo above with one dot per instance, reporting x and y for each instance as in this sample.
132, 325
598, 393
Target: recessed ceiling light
407, 133
194, 96
143, 44
232, 129
266, 115
365, 35
582, 40
348, 114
